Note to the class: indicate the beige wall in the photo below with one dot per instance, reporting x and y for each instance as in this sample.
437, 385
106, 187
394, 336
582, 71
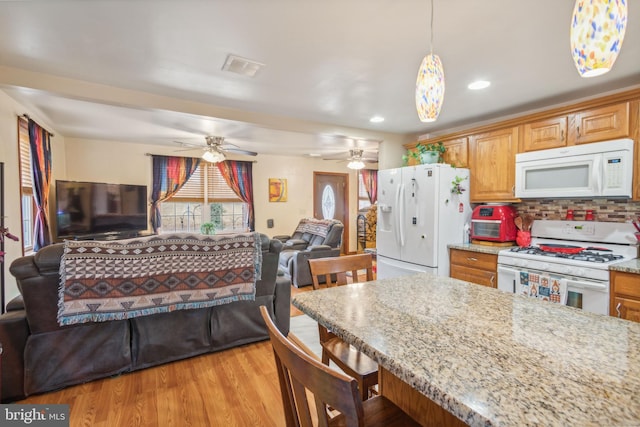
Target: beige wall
120, 162
117, 162
9, 112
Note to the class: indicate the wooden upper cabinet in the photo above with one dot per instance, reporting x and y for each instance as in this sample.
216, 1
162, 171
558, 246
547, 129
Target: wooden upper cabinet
543, 134
492, 157
456, 154
600, 124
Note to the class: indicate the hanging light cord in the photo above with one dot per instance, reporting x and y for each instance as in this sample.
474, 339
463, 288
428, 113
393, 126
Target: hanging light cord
431, 27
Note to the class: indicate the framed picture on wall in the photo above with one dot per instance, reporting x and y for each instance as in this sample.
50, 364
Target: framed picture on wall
277, 189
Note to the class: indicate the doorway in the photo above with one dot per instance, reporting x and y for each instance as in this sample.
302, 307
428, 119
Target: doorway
331, 200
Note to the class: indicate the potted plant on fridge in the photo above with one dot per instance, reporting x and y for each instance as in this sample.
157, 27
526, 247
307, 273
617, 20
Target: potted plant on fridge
426, 153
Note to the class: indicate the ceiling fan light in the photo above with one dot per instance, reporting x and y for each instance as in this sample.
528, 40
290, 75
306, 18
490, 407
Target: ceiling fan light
213, 156
355, 164
430, 88
597, 32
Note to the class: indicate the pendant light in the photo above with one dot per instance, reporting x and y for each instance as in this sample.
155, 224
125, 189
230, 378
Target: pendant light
597, 32
430, 84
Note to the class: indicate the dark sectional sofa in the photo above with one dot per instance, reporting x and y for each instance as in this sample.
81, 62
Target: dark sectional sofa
40, 356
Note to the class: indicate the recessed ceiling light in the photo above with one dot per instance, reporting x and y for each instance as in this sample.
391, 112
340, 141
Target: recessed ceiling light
376, 119
314, 154
479, 84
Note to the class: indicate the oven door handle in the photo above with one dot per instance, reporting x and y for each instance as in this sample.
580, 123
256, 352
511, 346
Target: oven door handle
587, 285
512, 272
571, 283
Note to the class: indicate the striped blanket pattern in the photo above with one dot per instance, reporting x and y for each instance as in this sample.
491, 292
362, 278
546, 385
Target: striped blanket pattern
102, 280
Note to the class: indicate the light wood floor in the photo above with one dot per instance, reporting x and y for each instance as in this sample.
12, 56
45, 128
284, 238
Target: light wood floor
236, 387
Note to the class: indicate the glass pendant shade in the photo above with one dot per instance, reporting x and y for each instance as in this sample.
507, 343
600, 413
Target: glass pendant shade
597, 32
213, 156
430, 88
355, 164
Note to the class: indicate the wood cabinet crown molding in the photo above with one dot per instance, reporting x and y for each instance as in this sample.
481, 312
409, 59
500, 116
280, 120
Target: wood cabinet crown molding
626, 96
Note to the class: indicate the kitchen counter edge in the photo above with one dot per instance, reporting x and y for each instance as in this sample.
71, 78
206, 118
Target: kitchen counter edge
473, 247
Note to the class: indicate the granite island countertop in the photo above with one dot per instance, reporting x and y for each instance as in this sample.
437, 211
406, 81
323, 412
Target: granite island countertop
490, 357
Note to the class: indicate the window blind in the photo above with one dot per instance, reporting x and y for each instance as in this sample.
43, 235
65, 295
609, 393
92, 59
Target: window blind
216, 187
25, 154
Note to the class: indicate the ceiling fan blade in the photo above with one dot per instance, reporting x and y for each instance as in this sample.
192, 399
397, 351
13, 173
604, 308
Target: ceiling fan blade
187, 149
338, 156
186, 144
239, 151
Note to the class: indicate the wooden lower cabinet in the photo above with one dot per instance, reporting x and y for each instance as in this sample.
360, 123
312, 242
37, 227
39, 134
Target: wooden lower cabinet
625, 296
475, 267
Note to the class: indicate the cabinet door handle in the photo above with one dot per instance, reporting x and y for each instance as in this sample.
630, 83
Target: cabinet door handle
472, 259
513, 189
562, 135
492, 280
578, 130
618, 309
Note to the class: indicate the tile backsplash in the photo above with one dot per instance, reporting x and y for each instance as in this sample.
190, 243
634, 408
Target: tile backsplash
610, 210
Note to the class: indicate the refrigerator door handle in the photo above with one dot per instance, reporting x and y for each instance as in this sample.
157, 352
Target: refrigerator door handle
394, 216
401, 214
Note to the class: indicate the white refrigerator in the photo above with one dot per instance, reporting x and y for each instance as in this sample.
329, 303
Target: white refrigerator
421, 210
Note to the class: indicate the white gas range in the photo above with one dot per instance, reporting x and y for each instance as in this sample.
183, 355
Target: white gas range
568, 262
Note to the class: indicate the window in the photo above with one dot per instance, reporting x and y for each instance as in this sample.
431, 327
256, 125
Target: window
363, 197
27, 203
206, 197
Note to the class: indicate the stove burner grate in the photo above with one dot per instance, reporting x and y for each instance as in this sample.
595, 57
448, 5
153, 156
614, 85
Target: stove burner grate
589, 256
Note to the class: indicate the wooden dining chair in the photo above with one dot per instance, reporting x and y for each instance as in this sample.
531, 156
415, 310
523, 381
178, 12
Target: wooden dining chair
334, 271
332, 390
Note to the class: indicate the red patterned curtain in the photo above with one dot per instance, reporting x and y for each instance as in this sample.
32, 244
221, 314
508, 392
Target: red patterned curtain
239, 177
40, 145
170, 173
370, 179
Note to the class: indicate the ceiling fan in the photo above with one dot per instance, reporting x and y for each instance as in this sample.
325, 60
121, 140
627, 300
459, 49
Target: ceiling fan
356, 158
216, 148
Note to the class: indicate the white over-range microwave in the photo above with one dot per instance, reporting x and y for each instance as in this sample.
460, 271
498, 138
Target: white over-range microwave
601, 169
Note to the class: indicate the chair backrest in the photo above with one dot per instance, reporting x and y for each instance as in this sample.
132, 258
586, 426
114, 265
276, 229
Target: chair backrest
334, 269
298, 372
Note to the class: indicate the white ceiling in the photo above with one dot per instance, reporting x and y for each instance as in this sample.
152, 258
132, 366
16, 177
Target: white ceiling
150, 70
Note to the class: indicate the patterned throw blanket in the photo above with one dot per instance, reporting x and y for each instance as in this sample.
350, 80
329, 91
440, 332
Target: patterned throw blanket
319, 227
122, 279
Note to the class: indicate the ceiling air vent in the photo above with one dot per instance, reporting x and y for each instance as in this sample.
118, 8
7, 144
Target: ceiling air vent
239, 65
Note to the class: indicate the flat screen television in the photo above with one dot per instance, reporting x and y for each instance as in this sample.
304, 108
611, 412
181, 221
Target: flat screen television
90, 208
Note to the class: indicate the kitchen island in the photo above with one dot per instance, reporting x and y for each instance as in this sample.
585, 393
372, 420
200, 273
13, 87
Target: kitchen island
485, 356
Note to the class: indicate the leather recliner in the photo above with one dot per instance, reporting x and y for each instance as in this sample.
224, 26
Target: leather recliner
313, 238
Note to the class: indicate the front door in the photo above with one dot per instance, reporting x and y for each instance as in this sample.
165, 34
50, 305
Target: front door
330, 200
